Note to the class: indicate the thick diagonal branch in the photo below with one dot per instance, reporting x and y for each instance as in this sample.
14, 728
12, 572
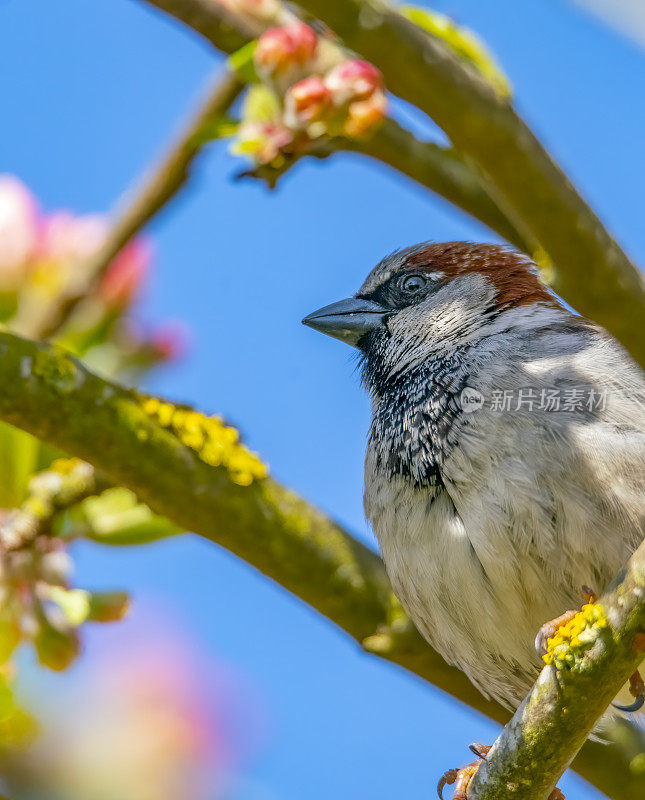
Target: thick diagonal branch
45, 391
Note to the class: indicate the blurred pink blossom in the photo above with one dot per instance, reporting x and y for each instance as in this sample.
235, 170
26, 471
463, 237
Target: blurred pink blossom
67, 238
126, 274
263, 140
362, 115
306, 101
170, 341
154, 719
19, 230
280, 49
67, 242
353, 80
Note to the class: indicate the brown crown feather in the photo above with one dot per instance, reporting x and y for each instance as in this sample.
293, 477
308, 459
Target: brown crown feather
513, 274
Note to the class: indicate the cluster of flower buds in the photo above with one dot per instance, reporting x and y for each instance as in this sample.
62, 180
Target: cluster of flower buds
348, 101
317, 92
44, 258
37, 603
285, 50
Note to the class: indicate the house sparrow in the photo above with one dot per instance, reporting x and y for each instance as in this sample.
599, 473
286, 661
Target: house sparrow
505, 461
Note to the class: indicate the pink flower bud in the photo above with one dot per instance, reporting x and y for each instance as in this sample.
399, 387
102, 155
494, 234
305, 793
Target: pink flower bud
126, 274
279, 49
362, 115
353, 80
19, 225
306, 101
170, 342
67, 239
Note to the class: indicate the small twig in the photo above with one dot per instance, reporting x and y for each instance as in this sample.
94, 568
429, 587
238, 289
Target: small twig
157, 186
66, 483
441, 169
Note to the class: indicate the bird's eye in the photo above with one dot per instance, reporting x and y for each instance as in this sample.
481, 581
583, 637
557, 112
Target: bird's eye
413, 284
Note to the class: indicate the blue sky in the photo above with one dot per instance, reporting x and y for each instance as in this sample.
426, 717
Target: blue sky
91, 92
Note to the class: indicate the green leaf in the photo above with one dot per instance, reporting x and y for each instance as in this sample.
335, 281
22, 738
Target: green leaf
108, 606
220, 128
116, 517
18, 460
56, 649
9, 636
18, 729
241, 61
74, 603
463, 42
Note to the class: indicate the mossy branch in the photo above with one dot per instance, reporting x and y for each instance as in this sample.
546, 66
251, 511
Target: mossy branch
192, 469
596, 655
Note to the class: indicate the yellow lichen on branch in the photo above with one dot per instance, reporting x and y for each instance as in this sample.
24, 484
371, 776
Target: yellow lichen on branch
570, 641
589, 659
214, 442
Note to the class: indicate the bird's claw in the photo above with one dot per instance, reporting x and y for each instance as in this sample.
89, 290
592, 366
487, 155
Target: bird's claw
462, 777
549, 629
637, 690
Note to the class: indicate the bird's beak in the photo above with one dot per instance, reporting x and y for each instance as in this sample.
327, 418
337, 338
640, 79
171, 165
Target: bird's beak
348, 320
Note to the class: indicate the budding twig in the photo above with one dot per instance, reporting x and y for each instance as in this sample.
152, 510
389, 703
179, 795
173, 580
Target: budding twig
153, 191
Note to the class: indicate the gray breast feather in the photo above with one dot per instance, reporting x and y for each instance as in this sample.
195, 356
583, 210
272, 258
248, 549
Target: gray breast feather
533, 503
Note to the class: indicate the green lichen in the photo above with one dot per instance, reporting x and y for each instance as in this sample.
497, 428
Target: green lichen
568, 645
56, 369
214, 442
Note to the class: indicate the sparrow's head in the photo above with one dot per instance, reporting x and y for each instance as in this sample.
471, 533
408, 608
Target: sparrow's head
429, 299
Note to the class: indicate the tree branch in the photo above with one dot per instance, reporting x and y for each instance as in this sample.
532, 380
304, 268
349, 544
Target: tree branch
190, 469
591, 271
438, 169
210, 19
157, 186
589, 668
